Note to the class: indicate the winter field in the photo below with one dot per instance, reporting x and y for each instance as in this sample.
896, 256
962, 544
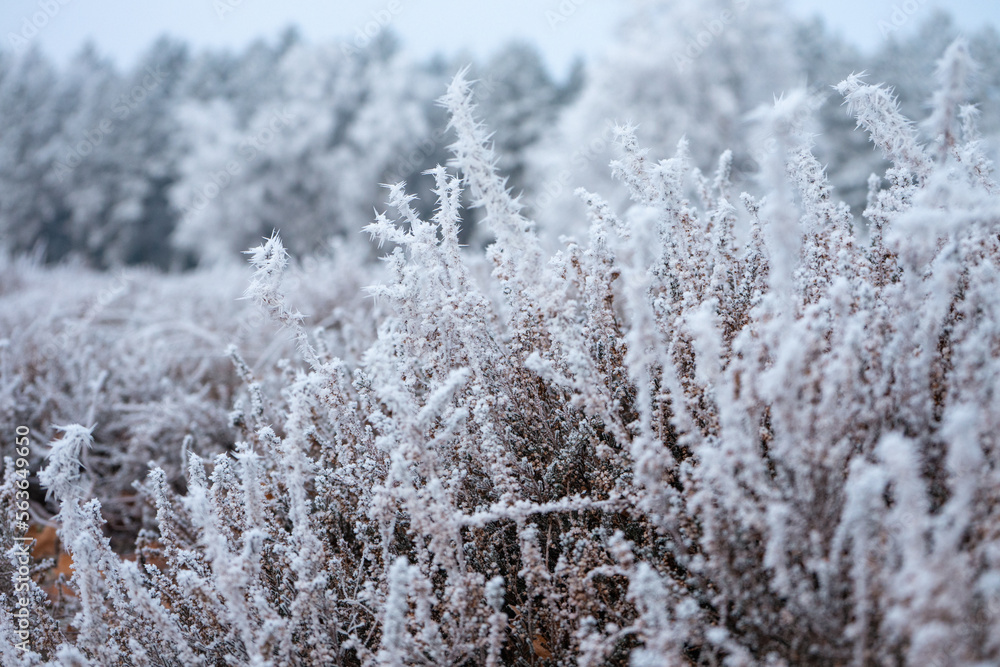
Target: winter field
326, 354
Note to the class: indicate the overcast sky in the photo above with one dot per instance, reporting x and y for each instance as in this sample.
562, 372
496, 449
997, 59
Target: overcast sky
124, 28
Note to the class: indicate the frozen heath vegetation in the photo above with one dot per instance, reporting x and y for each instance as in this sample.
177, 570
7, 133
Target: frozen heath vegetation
721, 429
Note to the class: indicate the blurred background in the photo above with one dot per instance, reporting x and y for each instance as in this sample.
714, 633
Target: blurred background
176, 134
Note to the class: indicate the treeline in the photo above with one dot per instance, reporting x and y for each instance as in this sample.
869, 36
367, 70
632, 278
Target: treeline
186, 158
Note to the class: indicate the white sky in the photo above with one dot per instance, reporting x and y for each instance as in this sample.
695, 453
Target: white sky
124, 28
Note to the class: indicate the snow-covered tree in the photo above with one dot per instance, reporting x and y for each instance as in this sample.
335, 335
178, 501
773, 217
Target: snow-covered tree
307, 160
520, 102
847, 155
114, 158
30, 211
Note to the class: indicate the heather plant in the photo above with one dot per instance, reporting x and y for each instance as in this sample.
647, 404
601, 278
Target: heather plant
722, 429
140, 357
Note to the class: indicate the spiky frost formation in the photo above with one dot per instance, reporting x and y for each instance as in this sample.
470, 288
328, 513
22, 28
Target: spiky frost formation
715, 432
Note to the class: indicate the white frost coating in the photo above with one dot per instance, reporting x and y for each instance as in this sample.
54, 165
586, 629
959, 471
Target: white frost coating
61, 476
723, 428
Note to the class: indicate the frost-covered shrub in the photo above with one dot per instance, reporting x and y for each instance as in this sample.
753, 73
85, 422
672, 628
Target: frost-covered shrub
723, 429
140, 357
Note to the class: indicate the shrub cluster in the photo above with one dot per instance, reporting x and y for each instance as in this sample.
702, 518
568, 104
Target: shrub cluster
722, 430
